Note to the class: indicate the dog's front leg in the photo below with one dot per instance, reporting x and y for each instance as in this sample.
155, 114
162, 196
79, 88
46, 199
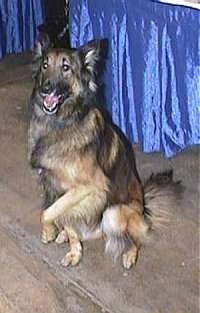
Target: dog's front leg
82, 202
74, 255
58, 208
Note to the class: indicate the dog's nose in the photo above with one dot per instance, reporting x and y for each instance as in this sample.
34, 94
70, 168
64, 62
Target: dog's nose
46, 87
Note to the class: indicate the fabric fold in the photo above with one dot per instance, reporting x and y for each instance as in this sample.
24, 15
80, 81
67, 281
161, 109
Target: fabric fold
152, 73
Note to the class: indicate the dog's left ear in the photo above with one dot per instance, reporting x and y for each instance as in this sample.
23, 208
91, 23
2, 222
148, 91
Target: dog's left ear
91, 54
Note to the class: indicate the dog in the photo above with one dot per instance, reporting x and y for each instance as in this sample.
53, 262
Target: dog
85, 164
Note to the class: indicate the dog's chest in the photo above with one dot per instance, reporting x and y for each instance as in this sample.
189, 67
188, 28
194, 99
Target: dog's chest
70, 160
75, 170
79, 169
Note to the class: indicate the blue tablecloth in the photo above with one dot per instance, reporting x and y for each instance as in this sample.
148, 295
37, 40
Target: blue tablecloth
152, 75
18, 24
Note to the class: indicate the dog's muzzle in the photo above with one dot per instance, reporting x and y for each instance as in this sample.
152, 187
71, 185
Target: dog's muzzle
51, 102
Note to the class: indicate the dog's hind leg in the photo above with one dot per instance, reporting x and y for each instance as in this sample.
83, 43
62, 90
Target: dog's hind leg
125, 230
74, 255
137, 229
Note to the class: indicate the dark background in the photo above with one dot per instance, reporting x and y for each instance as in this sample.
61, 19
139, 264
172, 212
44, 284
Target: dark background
56, 23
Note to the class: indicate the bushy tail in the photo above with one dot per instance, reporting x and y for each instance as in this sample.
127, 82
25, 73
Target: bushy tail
161, 197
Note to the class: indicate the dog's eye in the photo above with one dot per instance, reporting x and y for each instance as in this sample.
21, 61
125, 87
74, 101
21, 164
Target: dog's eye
45, 65
65, 67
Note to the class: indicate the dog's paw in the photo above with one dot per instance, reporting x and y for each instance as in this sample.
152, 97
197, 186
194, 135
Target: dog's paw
49, 233
62, 237
71, 258
129, 259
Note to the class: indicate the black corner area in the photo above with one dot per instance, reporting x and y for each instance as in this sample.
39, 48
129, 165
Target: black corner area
56, 23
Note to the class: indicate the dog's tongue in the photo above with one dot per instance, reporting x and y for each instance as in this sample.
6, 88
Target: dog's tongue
50, 101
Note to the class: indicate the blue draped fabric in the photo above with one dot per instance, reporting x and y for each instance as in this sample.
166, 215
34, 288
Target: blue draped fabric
153, 73
18, 24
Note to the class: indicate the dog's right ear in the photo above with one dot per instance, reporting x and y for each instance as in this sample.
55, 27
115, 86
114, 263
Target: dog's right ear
43, 43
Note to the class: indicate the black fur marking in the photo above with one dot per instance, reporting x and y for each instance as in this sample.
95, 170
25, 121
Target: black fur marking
51, 192
37, 153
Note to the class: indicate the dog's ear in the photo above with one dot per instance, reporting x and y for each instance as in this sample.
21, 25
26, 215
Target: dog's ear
42, 45
91, 54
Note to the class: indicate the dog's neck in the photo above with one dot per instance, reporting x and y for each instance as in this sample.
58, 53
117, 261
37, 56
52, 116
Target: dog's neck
72, 111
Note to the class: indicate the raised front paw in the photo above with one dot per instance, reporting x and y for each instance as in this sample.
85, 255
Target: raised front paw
49, 233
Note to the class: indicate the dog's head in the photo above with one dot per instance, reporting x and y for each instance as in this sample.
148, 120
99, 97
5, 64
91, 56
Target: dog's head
62, 74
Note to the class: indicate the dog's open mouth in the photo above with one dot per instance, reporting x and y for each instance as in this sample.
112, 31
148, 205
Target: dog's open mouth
51, 102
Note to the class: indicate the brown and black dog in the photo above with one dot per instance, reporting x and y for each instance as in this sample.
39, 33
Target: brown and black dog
85, 164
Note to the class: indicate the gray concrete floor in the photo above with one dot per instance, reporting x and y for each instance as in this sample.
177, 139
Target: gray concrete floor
165, 279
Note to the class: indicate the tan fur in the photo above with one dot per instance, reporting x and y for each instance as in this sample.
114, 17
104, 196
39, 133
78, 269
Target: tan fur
113, 150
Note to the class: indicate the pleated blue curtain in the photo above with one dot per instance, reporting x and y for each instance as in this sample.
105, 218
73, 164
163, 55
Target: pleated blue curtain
153, 74
18, 24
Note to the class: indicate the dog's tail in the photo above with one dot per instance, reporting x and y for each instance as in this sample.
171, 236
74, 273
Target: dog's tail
161, 197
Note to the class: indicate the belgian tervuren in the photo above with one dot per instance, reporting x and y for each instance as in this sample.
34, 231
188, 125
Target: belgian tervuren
85, 164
